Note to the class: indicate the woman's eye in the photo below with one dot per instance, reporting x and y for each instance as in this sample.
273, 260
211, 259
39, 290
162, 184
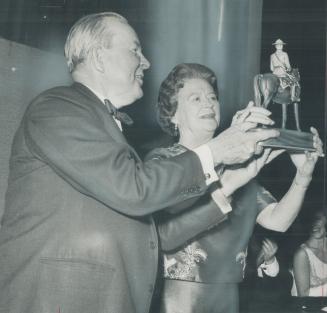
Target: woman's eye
195, 99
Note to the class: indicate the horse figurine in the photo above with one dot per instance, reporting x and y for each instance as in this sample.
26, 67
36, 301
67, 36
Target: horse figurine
269, 87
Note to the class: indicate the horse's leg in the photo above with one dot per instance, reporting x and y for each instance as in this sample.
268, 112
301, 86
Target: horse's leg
296, 114
284, 115
267, 94
257, 92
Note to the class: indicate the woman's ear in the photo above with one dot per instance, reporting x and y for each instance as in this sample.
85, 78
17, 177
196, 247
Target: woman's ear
174, 119
97, 61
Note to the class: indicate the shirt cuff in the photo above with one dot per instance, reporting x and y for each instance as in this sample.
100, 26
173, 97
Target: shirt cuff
208, 167
271, 269
221, 200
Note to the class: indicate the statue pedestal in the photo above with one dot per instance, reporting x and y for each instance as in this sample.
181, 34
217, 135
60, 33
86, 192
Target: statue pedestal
291, 140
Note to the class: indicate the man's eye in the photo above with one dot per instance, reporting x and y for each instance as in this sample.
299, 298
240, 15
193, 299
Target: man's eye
212, 97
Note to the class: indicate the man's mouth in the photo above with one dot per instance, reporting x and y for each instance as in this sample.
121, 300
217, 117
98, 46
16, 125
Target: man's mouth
139, 78
208, 115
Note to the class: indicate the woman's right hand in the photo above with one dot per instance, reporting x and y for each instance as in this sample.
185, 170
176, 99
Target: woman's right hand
235, 177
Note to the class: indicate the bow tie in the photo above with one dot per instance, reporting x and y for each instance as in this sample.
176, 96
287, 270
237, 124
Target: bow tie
120, 116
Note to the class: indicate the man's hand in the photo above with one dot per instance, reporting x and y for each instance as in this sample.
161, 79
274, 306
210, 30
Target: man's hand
236, 145
235, 177
239, 142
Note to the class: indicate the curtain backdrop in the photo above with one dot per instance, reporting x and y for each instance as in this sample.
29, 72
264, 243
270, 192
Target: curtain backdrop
222, 34
24, 72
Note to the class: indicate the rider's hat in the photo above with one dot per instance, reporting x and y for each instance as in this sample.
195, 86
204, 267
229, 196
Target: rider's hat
279, 42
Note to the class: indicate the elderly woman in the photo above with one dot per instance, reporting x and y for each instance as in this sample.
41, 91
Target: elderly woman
203, 273
310, 261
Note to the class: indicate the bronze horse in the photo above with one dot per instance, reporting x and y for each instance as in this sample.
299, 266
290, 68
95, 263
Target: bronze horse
268, 86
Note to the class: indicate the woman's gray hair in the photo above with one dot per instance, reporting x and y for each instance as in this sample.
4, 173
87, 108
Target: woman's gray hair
167, 99
87, 33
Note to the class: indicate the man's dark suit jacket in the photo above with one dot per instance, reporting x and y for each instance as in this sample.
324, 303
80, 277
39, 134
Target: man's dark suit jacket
77, 234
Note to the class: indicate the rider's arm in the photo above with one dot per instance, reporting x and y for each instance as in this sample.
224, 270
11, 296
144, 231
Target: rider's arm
287, 62
272, 67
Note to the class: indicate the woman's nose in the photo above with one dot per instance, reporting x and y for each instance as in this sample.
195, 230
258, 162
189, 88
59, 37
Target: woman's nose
207, 103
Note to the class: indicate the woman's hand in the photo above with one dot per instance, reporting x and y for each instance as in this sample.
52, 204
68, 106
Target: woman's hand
305, 162
235, 177
251, 116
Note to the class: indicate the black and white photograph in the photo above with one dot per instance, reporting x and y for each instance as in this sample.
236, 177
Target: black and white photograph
163, 156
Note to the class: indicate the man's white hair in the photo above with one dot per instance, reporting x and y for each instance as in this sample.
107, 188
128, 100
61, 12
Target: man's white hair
87, 33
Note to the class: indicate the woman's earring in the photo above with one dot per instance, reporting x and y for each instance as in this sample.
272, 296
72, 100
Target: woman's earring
175, 130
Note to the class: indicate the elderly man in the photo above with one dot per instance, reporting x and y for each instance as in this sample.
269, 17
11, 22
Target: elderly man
77, 234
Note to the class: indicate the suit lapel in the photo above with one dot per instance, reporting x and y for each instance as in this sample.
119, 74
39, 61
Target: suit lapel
108, 121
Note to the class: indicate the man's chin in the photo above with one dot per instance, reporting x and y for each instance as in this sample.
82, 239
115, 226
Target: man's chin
138, 95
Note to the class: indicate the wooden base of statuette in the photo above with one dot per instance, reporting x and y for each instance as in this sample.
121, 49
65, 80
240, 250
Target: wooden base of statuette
291, 140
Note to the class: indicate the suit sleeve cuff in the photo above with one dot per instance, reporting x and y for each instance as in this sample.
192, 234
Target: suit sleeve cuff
206, 159
221, 200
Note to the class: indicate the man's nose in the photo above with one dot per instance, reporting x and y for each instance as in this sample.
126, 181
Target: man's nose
144, 62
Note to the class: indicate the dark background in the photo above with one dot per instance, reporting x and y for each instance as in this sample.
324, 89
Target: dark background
44, 24
302, 25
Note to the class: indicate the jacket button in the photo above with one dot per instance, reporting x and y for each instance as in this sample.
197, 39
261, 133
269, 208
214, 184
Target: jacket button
153, 245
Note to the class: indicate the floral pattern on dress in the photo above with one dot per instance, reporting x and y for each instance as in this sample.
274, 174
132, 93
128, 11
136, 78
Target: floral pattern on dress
185, 263
241, 259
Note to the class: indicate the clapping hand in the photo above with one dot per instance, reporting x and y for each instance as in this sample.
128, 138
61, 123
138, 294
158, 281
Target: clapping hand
267, 252
269, 249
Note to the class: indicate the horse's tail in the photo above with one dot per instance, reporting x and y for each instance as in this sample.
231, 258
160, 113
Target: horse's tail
257, 93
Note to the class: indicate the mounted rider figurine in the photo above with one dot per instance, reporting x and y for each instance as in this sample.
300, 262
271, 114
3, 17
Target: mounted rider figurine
279, 87
280, 66
282, 87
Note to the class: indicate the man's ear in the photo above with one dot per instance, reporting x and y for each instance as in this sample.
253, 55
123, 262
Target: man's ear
97, 59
